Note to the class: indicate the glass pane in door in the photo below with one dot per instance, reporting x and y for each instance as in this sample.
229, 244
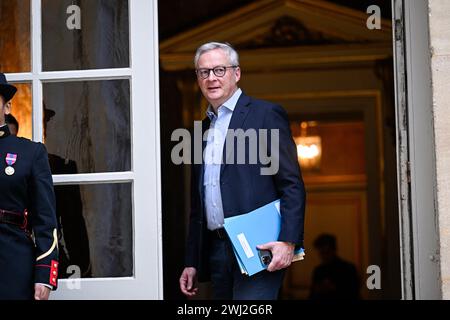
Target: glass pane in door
88, 123
96, 235
85, 34
20, 119
15, 36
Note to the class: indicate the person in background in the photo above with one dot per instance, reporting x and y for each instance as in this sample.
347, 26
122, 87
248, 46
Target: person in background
73, 234
334, 278
12, 124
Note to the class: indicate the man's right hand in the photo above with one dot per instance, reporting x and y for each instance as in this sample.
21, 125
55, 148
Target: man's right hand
188, 282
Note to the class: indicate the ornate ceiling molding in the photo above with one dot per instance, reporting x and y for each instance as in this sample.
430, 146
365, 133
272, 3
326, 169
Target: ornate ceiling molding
298, 31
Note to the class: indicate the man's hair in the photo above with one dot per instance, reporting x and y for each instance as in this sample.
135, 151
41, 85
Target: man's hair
229, 50
325, 240
10, 119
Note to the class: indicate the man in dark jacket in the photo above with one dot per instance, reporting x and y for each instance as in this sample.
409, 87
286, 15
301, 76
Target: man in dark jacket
227, 188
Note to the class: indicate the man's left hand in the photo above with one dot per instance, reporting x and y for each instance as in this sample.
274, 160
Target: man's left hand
282, 254
41, 292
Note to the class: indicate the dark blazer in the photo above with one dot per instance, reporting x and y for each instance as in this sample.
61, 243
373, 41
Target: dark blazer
26, 260
243, 188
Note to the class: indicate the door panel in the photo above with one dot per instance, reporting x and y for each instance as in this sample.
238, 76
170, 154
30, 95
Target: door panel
91, 95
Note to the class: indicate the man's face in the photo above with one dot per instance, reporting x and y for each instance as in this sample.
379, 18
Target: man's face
5, 108
216, 89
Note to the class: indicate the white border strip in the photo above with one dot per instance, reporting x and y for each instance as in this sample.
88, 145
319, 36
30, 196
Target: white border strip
71, 75
92, 178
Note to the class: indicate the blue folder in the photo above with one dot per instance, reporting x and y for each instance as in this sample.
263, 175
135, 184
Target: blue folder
249, 230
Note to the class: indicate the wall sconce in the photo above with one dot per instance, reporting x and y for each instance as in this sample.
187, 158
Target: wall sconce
309, 148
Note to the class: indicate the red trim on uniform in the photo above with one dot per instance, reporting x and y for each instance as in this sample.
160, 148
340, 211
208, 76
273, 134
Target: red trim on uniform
53, 273
43, 265
25, 220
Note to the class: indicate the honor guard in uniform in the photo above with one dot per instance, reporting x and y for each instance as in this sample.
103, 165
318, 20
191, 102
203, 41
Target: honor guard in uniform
28, 226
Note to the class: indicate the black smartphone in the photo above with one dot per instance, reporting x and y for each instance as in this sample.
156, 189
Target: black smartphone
265, 257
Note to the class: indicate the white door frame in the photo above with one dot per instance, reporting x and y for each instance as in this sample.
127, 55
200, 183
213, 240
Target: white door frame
143, 74
419, 232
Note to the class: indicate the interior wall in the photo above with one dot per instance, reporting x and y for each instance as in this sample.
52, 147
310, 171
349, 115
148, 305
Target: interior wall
367, 199
306, 95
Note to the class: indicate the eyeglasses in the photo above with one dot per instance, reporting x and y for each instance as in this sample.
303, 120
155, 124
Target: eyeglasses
220, 71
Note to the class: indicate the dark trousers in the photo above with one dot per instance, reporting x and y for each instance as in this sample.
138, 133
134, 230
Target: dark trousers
229, 283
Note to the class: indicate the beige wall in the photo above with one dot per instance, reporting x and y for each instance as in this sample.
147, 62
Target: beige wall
440, 64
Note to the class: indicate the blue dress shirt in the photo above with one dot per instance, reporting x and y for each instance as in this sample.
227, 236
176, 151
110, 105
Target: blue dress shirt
213, 159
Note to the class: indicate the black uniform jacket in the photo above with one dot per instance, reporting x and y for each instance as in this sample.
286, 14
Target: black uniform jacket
28, 252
